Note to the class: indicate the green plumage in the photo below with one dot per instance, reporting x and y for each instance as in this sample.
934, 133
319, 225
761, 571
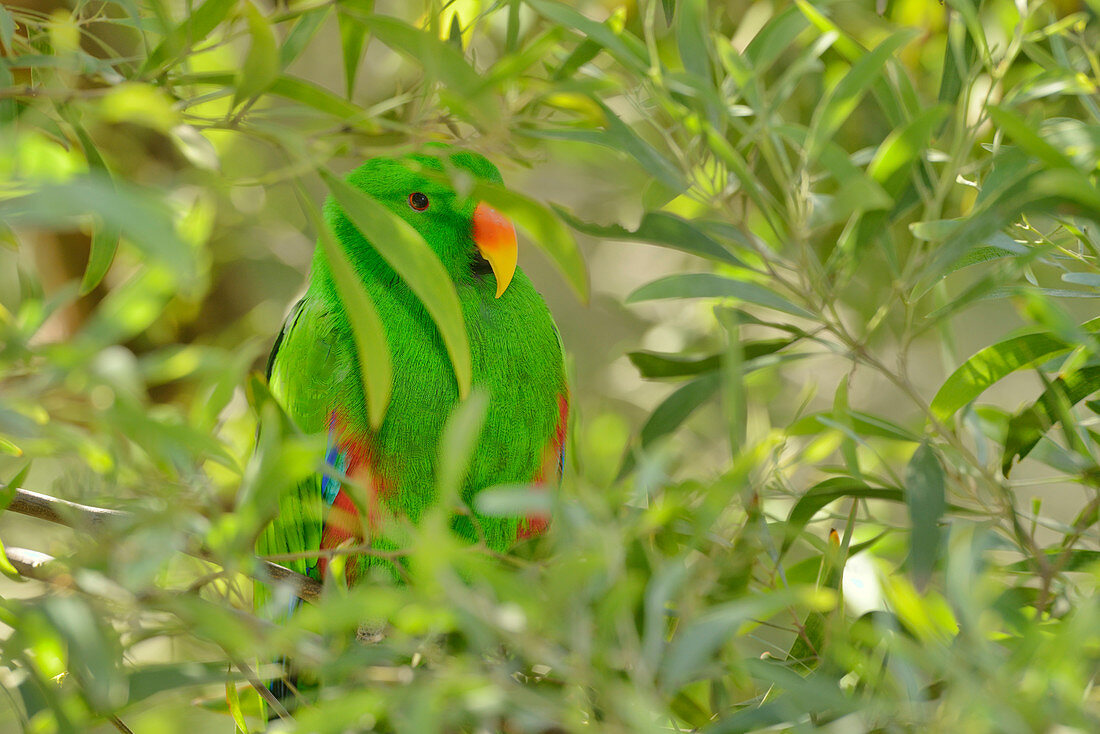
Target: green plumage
516, 359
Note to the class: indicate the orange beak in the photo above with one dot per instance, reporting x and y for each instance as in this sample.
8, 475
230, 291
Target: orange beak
495, 238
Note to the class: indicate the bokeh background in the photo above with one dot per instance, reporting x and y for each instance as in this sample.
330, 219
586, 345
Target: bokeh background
827, 154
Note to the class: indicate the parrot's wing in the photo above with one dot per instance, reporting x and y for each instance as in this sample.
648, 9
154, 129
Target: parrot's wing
303, 366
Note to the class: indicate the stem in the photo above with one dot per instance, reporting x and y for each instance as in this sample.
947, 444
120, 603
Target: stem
96, 519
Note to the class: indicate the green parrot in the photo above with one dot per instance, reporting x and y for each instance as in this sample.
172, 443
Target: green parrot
314, 371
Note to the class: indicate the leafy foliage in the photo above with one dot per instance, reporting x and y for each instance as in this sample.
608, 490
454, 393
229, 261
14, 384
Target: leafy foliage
861, 243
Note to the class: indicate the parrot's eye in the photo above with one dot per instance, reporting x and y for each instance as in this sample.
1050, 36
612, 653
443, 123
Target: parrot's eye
418, 201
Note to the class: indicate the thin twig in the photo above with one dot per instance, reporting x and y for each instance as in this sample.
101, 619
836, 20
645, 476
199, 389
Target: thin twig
95, 519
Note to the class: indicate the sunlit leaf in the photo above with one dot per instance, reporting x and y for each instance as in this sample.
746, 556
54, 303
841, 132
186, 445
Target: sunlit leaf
142, 218
194, 29
261, 64
1028, 425
995, 362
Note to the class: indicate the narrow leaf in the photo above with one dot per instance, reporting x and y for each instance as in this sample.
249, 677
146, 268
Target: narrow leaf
1030, 424
710, 285
105, 237
903, 147
995, 362
655, 365
659, 228
375, 361
631, 54
828, 491
193, 30
926, 497
261, 65
1021, 133
673, 411
411, 258
353, 35
301, 34
842, 100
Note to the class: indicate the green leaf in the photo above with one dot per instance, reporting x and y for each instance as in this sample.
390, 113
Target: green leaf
7, 30
105, 237
982, 255
828, 491
710, 285
454, 35
734, 404
138, 214
513, 500
5, 565
1030, 424
1092, 280
655, 365
458, 443
441, 61
925, 495
149, 680
969, 13
544, 229
192, 31
995, 362
692, 39
261, 65
622, 137
233, 698
669, 7
863, 424
676, 408
659, 228
353, 34
92, 650
673, 411
1016, 128
698, 640
375, 360
633, 55
581, 55
774, 39
842, 100
903, 147
301, 34
411, 258
298, 90
958, 55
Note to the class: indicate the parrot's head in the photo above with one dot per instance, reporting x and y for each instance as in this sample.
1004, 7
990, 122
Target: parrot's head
475, 243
